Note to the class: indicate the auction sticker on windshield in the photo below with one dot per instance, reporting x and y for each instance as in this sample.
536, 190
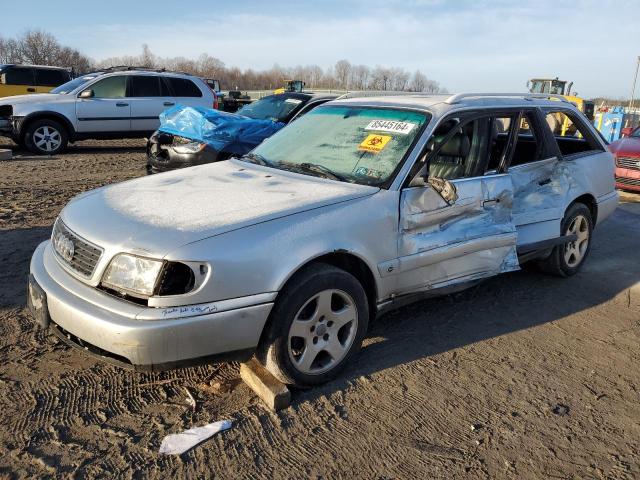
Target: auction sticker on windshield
374, 143
390, 126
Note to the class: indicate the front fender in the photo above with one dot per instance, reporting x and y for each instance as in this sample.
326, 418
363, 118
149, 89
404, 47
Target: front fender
263, 257
21, 121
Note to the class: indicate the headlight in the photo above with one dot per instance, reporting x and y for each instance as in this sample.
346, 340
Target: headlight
133, 274
193, 147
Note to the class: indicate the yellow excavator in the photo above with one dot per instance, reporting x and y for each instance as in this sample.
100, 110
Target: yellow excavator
561, 87
291, 86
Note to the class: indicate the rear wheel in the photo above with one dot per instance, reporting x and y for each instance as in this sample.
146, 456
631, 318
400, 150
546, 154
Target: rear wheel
317, 325
46, 137
565, 260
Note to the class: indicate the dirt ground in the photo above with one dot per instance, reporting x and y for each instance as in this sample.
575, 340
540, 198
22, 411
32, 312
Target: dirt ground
523, 376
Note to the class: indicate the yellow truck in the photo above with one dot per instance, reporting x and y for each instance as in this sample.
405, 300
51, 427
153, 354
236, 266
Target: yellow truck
26, 79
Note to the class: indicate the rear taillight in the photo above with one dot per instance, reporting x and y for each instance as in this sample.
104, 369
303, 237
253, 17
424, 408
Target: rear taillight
215, 101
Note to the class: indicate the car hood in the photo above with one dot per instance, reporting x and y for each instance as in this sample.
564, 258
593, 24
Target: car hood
626, 146
156, 214
31, 98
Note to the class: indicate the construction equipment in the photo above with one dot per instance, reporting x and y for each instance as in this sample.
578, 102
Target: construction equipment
291, 86
561, 87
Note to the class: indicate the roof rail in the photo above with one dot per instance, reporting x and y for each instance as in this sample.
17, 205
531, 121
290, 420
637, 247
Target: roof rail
530, 96
380, 93
126, 68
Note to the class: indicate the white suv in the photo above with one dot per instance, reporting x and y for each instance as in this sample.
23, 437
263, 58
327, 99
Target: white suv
120, 102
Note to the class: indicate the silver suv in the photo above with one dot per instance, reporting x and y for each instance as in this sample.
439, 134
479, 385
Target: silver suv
119, 102
289, 252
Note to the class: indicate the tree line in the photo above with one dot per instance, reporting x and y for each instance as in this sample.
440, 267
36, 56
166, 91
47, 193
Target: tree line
41, 48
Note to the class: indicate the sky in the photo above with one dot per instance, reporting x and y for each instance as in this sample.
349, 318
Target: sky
465, 45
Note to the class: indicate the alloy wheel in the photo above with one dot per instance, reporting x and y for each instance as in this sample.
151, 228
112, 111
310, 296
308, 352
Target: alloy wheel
47, 138
322, 332
575, 251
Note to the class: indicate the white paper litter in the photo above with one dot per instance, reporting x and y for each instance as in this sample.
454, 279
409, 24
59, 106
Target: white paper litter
178, 443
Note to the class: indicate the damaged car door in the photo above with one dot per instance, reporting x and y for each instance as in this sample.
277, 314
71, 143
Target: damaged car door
540, 184
455, 212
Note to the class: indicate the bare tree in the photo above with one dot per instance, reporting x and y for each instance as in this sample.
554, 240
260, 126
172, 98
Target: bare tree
342, 73
147, 59
314, 76
400, 79
40, 47
418, 81
360, 77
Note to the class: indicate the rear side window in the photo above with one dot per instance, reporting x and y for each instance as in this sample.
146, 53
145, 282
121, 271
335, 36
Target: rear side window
572, 136
147, 86
110, 87
529, 144
51, 78
19, 76
183, 87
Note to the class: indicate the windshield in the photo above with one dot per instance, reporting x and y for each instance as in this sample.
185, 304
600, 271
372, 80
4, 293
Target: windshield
73, 84
353, 144
274, 107
548, 86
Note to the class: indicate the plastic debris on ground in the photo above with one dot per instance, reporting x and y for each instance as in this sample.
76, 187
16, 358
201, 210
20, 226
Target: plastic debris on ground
178, 443
216, 128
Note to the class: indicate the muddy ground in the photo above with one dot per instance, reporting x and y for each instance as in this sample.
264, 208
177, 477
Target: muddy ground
523, 376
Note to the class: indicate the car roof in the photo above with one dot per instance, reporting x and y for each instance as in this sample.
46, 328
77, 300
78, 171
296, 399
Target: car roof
440, 103
66, 69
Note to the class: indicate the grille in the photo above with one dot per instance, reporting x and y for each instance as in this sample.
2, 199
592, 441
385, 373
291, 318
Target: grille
628, 181
629, 162
85, 255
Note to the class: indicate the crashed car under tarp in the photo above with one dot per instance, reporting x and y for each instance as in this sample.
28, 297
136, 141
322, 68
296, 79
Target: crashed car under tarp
193, 136
196, 135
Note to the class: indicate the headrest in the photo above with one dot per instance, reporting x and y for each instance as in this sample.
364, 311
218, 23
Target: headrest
457, 146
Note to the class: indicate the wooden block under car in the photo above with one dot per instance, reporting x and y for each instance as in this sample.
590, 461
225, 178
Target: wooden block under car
5, 154
270, 390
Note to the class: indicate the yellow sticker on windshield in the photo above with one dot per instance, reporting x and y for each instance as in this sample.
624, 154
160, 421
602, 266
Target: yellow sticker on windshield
374, 143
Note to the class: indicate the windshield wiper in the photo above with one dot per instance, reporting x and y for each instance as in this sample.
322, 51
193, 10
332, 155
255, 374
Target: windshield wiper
322, 170
257, 158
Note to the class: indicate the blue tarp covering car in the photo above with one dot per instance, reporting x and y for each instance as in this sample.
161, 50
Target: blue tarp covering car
214, 127
193, 135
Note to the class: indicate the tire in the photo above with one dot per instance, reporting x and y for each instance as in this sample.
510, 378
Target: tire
305, 326
567, 259
46, 137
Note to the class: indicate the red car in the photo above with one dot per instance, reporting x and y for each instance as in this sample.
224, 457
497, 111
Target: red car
627, 153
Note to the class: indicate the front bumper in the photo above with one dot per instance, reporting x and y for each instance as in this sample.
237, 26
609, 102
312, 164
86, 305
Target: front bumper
628, 179
117, 330
162, 157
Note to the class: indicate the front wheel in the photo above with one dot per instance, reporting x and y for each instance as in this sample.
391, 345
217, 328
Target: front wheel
565, 260
317, 325
46, 137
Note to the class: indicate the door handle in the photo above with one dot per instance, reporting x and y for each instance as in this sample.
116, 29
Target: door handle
31, 89
546, 181
491, 201
120, 104
168, 104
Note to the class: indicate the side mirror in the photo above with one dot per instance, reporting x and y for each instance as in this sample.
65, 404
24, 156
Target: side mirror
86, 94
445, 188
